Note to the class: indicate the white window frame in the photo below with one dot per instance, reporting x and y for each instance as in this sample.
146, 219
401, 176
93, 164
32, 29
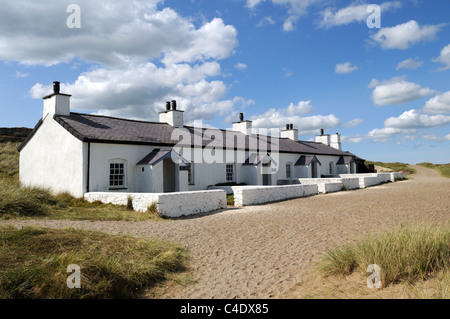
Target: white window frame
289, 170
227, 171
117, 167
191, 176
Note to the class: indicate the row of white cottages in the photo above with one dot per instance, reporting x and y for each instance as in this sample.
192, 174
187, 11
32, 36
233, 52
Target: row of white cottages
80, 153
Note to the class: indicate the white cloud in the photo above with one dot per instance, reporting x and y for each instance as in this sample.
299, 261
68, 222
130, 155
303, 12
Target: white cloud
295, 9
412, 119
36, 33
352, 13
141, 90
278, 118
21, 75
397, 91
344, 68
403, 36
439, 104
444, 58
241, 66
354, 122
351, 139
387, 133
265, 21
409, 64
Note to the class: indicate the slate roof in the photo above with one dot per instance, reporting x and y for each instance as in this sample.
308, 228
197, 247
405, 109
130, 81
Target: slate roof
157, 155
105, 129
345, 160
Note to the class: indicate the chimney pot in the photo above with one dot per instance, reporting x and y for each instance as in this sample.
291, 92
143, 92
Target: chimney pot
174, 105
168, 106
241, 117
56, 87
321, 132
287, 126
292, 126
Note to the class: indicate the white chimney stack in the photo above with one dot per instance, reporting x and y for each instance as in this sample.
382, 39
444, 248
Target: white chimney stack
171, 115
290, 132
56, 103
335, 141
242, 126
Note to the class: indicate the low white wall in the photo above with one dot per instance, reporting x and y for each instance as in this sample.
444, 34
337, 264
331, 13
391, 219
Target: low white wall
168, 204
252, 195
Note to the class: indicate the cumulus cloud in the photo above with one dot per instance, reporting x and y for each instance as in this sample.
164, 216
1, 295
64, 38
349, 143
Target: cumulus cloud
331, 17
405, 35
354, 123
141, 90
140, 52
112, 33
397, 91
409, 64
439, 104
444, 58
412, 119
344, 68
295, 114
385, 134
241, 66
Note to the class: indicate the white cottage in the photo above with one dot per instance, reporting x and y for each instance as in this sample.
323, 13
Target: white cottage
80, 153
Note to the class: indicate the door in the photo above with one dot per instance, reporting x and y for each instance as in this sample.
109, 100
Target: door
169, 175
265, 176
313, 170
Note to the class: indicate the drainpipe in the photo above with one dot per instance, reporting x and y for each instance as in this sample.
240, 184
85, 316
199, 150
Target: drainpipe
88, 166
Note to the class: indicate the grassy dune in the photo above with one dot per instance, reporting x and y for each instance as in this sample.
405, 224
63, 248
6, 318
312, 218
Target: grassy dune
410, 255
396, 167
34, 261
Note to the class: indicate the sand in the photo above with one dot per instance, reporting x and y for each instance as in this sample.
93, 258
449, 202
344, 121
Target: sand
266, 251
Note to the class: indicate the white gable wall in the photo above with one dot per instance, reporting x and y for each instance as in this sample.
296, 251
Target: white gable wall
53, 158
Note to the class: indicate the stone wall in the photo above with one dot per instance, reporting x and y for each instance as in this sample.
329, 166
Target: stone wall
168, 204
254, 195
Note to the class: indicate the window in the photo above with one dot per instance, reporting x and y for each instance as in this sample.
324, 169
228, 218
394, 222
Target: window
288, 170
117, 176
230, 172
191, 174
331, 168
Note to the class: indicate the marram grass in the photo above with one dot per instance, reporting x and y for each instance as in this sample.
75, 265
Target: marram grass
34, 261
405, 254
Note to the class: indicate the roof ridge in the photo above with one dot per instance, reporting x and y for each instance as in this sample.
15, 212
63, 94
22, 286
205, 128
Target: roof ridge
114, 118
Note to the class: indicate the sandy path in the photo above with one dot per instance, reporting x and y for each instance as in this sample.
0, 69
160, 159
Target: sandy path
263, 251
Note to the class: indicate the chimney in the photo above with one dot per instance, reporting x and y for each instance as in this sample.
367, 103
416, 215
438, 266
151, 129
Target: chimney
323, 138
290, 132
242, 126
171, 115
335, 141
56, 103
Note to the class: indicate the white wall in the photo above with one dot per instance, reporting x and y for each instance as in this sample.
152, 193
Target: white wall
53, 159
168, 204
253, 195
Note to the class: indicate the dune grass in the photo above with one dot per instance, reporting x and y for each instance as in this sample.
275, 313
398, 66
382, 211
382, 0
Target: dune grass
443, 169
396, 167
34, 261
406, 254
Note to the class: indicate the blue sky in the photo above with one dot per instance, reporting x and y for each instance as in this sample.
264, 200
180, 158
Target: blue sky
313, 63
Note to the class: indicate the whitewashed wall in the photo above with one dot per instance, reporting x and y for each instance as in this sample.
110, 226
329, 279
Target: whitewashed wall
53, 159
254, 195
168, 204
